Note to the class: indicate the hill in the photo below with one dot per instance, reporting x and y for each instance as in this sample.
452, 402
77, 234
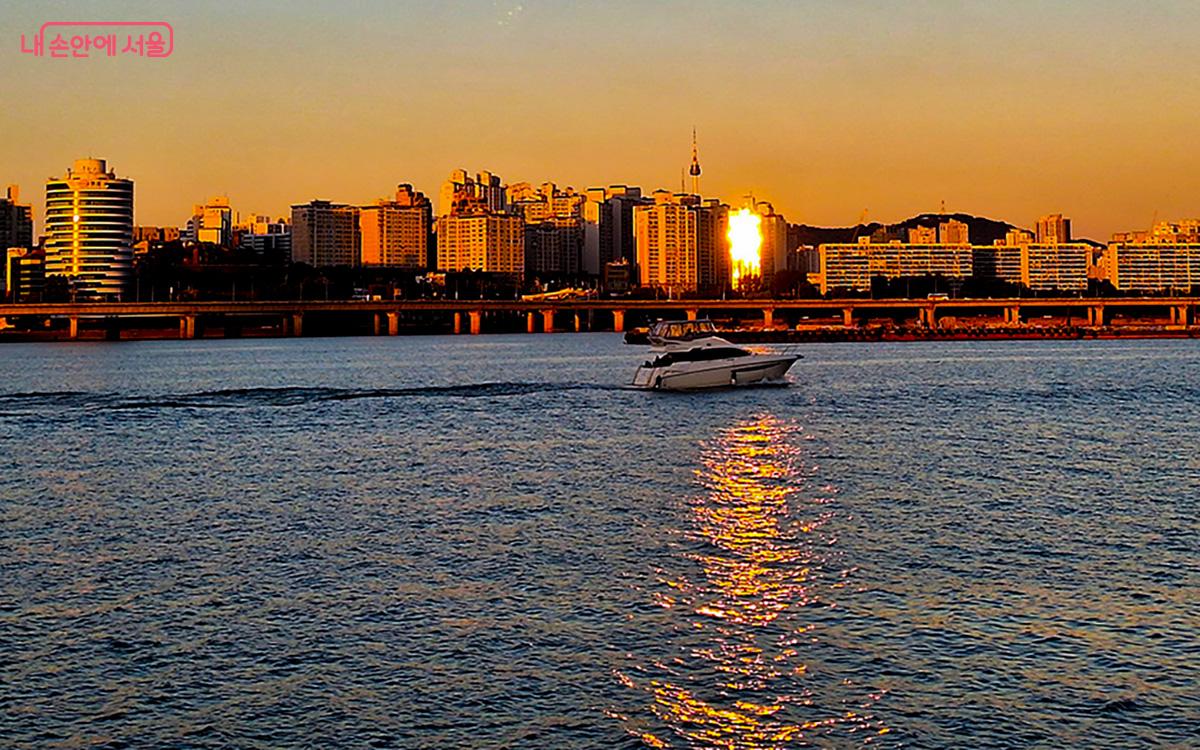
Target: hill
982, 231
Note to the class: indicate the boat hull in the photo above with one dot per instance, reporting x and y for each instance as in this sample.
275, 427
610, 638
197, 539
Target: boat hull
738, 372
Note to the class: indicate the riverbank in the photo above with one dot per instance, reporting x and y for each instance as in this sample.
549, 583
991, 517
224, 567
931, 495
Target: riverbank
637, 336
979, 333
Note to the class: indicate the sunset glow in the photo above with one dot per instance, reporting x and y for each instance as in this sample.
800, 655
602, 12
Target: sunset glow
745, 241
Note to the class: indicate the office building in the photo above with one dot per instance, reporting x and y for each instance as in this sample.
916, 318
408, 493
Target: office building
16, 220
211, 222
666, 241
397, 233
89, 230
325, 234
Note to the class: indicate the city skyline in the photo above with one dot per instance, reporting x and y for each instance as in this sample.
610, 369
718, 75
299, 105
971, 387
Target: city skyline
892, 111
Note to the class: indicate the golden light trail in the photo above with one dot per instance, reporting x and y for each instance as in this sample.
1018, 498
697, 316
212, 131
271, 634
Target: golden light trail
745, 241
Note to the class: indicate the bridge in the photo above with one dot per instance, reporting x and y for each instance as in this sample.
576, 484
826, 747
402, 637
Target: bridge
288, 318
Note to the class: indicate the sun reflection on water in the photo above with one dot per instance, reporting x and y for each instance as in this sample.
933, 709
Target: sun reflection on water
755, 554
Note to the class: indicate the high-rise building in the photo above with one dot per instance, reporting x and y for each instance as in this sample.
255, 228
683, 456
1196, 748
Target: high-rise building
325, 234
923, 236
852, 267
1061, 266
211, 222
554, 247
554, 227
397, 233
608, 226
666, 239
545, 202
483, 241
773, 253
89, 229
1154, 266
24, 275
474, 236
712, 247
954, 232
16, 220
999, 262
270, 240
484, 186
1018, 237
1051, 229
1186, 231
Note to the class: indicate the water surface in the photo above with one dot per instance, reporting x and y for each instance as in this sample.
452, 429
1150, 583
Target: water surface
489, 542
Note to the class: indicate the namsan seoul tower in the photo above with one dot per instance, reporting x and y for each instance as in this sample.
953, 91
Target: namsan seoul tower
694, 171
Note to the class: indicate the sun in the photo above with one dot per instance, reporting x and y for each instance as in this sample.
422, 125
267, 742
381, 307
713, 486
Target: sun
745, 242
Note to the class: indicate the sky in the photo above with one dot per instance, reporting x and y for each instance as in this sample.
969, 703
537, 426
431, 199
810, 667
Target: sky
831, 110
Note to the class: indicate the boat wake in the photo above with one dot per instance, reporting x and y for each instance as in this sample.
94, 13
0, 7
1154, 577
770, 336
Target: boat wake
24, 404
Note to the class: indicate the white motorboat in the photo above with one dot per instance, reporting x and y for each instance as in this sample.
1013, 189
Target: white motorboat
689, 355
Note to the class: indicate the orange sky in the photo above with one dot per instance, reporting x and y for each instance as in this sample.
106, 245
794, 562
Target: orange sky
1002, 109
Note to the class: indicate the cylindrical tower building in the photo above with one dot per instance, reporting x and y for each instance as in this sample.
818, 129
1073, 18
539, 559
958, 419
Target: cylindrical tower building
89, 230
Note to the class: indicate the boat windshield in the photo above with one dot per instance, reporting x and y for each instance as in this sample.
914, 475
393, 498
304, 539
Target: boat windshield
705, 354
683, 330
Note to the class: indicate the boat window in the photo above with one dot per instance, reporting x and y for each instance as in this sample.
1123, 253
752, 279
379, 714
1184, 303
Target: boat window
683, 330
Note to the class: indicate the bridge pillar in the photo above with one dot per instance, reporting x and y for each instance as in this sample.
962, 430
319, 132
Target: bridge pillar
1012, 316
530, 322
768, 318
457, 323
618, 321
73, 327
1179, 315
847, 317
377, 329
297, 328
1096, 315
187, 327
578, 323
476, 317
692, 313
393, 323
547, 321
